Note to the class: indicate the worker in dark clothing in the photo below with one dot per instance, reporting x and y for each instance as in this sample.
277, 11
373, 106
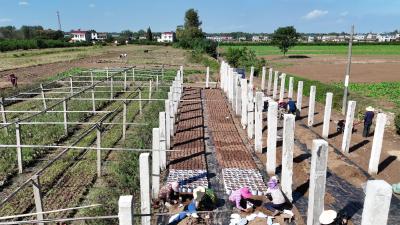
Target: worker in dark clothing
13, 80
368, 117
292, 106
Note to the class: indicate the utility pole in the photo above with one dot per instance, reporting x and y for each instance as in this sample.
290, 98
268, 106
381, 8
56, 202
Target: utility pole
347, 75
59, 20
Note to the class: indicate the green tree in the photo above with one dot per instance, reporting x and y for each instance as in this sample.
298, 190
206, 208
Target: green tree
285, 38
149, 35
191, 28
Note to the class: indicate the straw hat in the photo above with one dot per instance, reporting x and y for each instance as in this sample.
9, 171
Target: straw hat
370, 108
198, 193
327, 216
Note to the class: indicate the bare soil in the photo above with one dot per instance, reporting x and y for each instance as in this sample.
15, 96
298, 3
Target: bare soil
331, 68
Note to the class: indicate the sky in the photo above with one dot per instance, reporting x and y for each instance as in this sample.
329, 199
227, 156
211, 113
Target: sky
319, 16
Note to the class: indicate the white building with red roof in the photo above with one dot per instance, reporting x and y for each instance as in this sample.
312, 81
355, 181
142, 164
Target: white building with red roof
80, 35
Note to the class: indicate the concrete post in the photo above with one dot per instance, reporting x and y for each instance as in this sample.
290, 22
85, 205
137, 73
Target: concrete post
258, 126
171, 115
150, 88
65, 108
38, 198
71, 85
167, 124
243, 83
327, 115
125, 84
43, 97
133, 76
269, 82
126, 210
124, 120
19, 149
282, 90
378, 195
157, 82
98, 151
111, 88
155, 184
163, 144
275, 90
208, 77
230, 86
377, 143
3, 115
250, 112
290, 91
316, 193
264, 71
234, 94
107, 75
299, 98
311, 106
145, 202
348, 129
271, 138
140, 102
252, 76
93, 93
181, 69
287, 154
238, 105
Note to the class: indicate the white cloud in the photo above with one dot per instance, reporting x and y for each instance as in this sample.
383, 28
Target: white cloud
5, 20
345, 13
316, 13
91, 5
23, 3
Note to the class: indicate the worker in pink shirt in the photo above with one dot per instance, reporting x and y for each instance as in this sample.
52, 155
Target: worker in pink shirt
239, 198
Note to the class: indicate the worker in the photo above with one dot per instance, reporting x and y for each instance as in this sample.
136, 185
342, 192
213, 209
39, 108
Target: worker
13, 80
239, 198
169, 193
368, 117
331, 217
277, 199
292, 106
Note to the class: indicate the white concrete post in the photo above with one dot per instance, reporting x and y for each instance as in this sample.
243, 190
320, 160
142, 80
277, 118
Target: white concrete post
378, 195
133, 76
377, 143
287, 154
171, 115
252, 76
264, 72
126, 210
282, 90
124, 120
250, 112
107, 75
290, 91
238, 105
299, 98
43, 97
271, 138
327, 115
3, 115
208, 77
311, 106
111, 87
140, 102
269, 82
167, 124
234, 94
258, 126
150, 88
38, 198
145, 201
155, 162
98, 151
163, 144
316, 193
230, 86
93, 93
125, 84
19, 149
243, 83
157, 82
71, 84
181, 69
65, 108
275, 90
348, 129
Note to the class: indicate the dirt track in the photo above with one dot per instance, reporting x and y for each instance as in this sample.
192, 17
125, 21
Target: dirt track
331, 68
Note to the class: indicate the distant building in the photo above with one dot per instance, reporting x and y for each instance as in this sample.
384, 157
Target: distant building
167, 37
359, 38
242, 39
371, 37
220, 38
142, 38
80, 35
255, 39
310, 39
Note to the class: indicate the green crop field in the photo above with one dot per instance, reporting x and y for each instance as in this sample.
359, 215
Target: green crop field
324, 49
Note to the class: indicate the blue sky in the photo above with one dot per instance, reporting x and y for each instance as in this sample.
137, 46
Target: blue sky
217, 15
